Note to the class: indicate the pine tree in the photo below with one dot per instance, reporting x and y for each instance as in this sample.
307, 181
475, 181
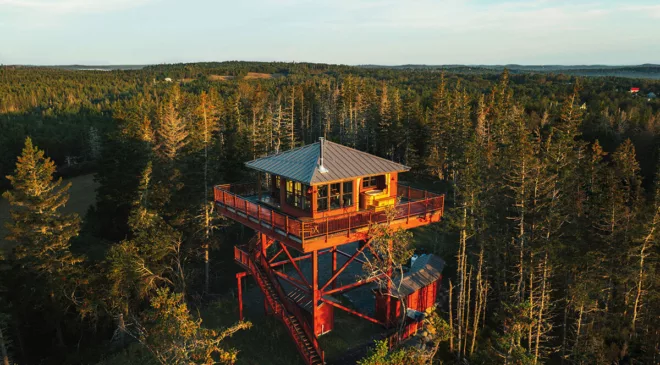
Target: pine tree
172, 134
43, 233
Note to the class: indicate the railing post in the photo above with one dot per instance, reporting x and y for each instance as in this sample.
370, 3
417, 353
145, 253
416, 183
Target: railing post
286, 225
348, 234
408, 193
259, 213
327, 229
408, 216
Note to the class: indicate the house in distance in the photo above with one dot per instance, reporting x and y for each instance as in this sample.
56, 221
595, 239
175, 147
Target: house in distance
314, 201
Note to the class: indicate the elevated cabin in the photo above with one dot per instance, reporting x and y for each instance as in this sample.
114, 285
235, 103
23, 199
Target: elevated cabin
419, 288
325, 194
307, 203
326, 179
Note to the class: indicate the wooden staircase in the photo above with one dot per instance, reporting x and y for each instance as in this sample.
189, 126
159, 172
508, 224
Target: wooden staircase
282, 307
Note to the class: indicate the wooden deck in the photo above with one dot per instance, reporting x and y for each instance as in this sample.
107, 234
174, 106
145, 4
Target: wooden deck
239, 202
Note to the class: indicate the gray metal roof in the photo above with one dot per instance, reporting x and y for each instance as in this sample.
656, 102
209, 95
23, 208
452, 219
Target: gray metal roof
341, 162
425, 270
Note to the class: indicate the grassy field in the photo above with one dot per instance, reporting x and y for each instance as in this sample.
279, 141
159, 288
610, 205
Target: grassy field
82, 196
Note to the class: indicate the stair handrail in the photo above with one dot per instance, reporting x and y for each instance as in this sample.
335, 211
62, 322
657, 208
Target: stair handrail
291, 307
283, 306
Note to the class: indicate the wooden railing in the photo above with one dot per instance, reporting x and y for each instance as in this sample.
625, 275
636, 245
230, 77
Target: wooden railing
282, 306
412, 203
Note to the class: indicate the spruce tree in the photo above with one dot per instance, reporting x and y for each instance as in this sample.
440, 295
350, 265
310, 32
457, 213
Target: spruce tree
41, 231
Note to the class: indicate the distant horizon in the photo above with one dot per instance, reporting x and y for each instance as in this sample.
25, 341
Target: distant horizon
341, 64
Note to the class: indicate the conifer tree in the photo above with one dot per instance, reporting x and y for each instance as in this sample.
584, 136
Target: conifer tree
41, 231
172, 134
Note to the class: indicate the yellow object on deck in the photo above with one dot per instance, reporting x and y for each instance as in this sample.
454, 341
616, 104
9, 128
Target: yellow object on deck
376, 199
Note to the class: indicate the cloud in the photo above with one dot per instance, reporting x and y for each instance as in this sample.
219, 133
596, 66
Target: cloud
652, 11
70, 6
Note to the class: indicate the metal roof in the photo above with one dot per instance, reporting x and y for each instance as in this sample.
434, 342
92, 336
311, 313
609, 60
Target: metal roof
341, 162
425, 270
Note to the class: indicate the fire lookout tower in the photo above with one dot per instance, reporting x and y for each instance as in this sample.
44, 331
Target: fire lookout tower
309, 202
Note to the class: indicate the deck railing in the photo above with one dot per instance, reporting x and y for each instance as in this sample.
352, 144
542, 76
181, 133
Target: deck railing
412, 203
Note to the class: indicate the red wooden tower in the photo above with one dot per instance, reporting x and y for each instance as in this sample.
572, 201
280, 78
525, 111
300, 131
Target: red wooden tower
309, 202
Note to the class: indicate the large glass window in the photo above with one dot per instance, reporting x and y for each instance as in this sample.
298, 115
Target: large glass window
347, 194
298, 195
322, 198
334, 196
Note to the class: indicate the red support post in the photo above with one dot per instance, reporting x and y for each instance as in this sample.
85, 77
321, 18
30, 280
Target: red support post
351, 311
239, 279
315, 290
295, 266
336, 274
334, 265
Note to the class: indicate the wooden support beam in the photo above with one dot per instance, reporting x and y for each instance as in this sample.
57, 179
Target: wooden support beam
316, 296
349, 255
334, 265
239, 280
351, 286
270, 261
336, 274
293, 281
353, 312
299, 258
295, 265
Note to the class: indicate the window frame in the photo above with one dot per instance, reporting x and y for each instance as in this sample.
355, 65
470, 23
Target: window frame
325, 196
297, 196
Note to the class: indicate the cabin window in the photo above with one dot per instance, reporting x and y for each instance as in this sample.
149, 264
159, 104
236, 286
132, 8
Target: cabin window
370, 182
322, 198
334, 196
298, 195
347, 194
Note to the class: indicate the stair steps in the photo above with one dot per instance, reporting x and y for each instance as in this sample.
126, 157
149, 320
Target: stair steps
305, 340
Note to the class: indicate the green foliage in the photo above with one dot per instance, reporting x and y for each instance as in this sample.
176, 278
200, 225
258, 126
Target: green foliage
539, 166
174, 337
380, 355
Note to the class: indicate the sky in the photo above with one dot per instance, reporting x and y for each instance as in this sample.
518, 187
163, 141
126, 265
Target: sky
386, 32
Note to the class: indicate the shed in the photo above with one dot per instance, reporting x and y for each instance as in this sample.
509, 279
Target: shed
419, 287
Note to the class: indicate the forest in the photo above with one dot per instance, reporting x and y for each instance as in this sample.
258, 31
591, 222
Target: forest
550, 233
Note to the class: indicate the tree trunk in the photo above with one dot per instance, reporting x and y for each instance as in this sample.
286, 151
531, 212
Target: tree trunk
451, 318
3, 349
207, 268
541, 308
121, 324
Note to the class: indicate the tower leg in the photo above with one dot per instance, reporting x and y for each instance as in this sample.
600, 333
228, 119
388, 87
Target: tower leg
239, 279
315, 292
334, 266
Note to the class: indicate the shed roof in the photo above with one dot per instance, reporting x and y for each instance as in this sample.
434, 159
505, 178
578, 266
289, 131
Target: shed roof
425, 270
340, 162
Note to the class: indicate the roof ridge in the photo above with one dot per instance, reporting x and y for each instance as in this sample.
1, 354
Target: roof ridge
283, 152
365, 153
